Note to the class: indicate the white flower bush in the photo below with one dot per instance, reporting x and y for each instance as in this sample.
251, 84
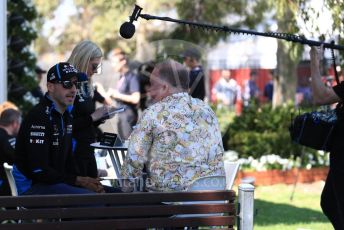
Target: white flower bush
273, 161
30, 98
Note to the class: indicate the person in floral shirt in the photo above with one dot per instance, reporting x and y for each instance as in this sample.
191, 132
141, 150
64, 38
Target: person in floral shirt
178, 138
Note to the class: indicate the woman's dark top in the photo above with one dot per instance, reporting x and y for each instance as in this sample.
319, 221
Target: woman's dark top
84, 133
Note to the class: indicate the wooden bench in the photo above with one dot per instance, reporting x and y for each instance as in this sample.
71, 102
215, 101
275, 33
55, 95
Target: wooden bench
119, 211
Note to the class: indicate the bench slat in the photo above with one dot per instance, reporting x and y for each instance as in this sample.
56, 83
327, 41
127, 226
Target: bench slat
120, 211
129, 223
117, 199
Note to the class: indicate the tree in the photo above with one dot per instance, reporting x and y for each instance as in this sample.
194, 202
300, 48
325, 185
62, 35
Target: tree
96, 20
336, 8
45, 11
21, 61
99, 21
249, 14
288, 54
336, 31
215, 12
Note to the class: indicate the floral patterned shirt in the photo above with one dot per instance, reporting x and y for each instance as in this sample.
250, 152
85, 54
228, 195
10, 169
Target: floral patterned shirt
178, 140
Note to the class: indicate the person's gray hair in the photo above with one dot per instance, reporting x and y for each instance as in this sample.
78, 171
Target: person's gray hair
174, 73
8, 116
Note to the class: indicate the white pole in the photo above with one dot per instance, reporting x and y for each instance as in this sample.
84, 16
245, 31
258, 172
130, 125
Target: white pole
3, 51
245, 207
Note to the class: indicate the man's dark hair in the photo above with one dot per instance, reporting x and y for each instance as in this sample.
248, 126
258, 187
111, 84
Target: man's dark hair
253, 73
119, 52
174, 73
8, 116
192, 53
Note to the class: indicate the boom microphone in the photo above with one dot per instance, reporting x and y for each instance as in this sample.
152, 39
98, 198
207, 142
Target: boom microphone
127, 29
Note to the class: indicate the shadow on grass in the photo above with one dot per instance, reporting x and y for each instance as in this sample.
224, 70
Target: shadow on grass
269, 213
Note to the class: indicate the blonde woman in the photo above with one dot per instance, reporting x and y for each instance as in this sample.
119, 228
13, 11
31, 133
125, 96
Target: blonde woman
86, 57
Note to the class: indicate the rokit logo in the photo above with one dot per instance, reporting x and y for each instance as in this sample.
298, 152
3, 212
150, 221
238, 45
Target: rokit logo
36, 141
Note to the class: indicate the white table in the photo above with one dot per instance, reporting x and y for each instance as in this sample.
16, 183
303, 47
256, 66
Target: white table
116, 153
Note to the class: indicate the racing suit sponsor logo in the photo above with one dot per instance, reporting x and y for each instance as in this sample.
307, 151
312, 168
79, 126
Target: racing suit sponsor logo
69, 129
56, 143
37, 134
37, 127
36, 141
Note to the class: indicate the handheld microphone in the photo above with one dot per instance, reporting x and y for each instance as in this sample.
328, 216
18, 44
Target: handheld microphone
127, 29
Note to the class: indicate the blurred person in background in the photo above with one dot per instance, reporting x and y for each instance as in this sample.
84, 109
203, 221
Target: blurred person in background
10, 120
7, 105
251, 91
269, 87
144, 72
86, 57
303, 96
192, 59
226, 90
126, 93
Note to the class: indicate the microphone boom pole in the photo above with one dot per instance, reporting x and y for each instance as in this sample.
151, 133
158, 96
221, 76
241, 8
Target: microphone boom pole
283, 36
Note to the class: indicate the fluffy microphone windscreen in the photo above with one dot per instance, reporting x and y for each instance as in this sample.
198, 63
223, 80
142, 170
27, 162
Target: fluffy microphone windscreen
127, 30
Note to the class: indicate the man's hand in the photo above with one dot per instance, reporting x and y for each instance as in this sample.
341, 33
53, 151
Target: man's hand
90, 183
114, 93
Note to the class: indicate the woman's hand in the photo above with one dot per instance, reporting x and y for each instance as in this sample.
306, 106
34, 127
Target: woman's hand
100, 113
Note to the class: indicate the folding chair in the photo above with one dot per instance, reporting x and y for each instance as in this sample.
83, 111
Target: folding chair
208, 183
231, 170
204, 183
9, 173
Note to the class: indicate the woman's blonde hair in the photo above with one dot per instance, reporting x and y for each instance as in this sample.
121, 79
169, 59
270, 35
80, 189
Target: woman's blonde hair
82, 53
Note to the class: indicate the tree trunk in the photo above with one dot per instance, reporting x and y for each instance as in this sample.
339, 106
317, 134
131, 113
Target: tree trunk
286, 77
141, 35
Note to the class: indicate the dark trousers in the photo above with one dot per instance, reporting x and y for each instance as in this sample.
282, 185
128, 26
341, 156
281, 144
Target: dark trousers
87, 165
62, 188
332, 198
126, 121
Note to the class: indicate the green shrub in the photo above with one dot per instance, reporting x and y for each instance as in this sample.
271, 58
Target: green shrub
261, 130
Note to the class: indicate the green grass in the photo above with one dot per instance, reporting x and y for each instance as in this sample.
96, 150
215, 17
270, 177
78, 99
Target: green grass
275, 210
